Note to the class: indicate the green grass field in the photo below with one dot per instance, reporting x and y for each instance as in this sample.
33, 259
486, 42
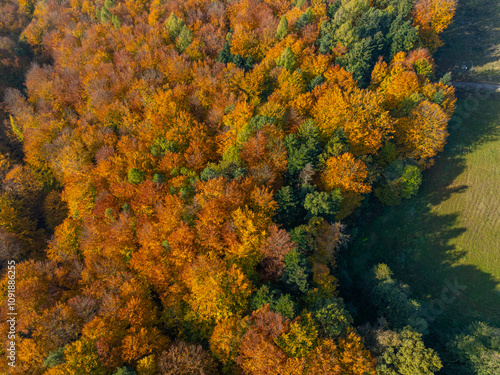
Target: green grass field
473, 37
449, 232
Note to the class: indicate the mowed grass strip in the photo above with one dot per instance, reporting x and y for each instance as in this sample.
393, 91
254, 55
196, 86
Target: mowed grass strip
474, 146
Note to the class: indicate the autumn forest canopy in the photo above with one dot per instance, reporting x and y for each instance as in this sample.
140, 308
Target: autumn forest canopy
177, 179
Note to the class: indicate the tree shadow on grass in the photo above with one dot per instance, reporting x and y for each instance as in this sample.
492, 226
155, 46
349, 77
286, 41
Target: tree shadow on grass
473, 37
416, 241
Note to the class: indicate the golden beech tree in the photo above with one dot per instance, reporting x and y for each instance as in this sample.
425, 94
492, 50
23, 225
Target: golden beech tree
347, 173
155, 12
379, 73
314, 65
353, 357
401, 86
152, 264
119, 241
65, 244
213, 230
338, 76
30, 355
79, 193
245, 42
136, 309
278, 6
442, 94
261, 346
432, 17
226, 339
261, 199
80, 357
254, 28
250, 230
235, 121
264, 156
423, 134
323, 359
141, 342
434, 14
318, 8
181, 246
422, 62
405, 83
216, 291
290, 85
42, 288
359, 112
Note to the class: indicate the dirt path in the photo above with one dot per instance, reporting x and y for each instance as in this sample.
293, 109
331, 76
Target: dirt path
478, 85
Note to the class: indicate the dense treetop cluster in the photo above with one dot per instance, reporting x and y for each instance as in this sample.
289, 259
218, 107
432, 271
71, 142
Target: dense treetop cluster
184, 167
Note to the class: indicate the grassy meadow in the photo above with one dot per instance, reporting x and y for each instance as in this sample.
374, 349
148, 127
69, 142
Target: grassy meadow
449, 234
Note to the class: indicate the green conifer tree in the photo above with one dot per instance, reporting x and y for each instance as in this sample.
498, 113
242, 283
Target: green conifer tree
184, 39
224, 55
287, 59
116, 21
300, 3
174, 25
136, 176
109, 3
105, 15
282, 28
305, 18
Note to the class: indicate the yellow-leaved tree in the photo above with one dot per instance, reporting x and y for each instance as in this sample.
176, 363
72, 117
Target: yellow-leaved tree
349, 174
423, 134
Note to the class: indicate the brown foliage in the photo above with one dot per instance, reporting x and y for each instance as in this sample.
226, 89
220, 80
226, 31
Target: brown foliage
258, 352
184, 358
276, 246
